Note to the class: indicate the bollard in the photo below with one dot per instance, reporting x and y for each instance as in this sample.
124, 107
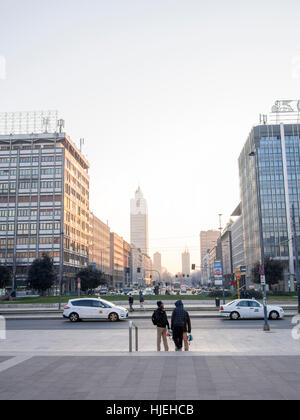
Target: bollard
136, 339
130, 337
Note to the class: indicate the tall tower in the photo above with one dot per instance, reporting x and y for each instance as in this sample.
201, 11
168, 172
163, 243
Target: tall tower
139, 222
186, 263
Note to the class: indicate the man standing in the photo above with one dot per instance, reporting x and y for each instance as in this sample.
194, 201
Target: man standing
142, 300
131, 300
181, 326
160, 319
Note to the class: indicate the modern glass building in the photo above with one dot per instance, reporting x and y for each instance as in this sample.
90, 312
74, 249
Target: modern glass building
270, 159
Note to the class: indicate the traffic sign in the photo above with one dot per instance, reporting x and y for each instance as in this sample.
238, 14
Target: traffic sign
263, 280
238, 274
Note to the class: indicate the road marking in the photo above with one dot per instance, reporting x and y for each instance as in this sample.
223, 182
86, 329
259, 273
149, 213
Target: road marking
13, 362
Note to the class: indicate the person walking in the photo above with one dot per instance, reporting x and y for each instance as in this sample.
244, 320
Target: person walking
160, 319
131, 300
181, 326
142, 300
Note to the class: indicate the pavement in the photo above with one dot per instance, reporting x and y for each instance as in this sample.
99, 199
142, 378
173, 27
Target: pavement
58, 360
143, 378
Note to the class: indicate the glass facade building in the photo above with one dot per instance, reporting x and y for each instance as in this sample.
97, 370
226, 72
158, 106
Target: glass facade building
275, 167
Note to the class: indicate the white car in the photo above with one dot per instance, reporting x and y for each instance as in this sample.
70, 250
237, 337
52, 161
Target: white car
247, 308
77, 309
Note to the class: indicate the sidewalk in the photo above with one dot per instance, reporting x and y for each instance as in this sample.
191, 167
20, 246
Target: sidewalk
143, 378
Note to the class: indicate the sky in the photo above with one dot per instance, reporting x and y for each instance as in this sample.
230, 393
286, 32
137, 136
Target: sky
165, 93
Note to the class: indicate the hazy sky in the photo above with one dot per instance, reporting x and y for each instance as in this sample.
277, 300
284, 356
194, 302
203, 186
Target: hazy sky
165, 93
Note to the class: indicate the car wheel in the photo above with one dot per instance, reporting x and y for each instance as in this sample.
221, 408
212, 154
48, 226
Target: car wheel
113, 317
74, 317
274, 315
235, 316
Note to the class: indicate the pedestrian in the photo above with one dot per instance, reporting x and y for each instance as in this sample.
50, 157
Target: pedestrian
131, 300
181, 326
142, 300
160, 319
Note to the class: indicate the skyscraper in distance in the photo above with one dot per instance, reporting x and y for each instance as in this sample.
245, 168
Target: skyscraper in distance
139, 222
186, 263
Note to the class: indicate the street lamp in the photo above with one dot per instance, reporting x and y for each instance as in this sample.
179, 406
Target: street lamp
221, 258
261, 240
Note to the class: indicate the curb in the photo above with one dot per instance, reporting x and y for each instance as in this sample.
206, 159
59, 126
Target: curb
143, 317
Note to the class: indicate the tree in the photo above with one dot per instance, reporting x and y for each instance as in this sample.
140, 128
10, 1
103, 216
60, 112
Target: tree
5, 275
91, 278
42, 274
273, 271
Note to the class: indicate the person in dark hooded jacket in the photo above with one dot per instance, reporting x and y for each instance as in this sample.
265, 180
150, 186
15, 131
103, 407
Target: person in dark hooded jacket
180, 325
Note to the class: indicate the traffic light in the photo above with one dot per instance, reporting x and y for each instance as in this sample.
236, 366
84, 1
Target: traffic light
193, 267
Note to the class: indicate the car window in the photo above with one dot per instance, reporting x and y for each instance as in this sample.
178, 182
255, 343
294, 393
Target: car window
244, 304
254, 304
85, 303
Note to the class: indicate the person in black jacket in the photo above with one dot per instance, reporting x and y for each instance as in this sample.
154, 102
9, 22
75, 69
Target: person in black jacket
160, 319
131, 300
181, 326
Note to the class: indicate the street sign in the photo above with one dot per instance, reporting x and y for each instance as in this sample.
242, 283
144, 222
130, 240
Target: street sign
238, 274
263, 280
261, 270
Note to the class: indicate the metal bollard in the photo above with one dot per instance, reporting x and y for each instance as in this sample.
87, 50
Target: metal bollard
136, 339
130, 337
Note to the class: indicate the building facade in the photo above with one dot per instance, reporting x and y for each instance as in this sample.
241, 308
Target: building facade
157, 266
127, 262
99, 252
44, 204
269, 168
136, 266
208, 239
139, 222
116, 261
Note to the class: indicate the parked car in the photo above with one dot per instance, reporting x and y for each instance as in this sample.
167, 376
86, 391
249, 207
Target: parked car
78, 309
246, 308
103, 291
127, 291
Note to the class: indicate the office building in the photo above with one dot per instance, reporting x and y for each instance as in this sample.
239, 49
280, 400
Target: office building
139, 222
186, 263
44, 201
208, 239
116, 261
136, 266
157, 266
99, 251
127, 265
269, 168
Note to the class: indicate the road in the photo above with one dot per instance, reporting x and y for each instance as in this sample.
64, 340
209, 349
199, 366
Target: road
197, 324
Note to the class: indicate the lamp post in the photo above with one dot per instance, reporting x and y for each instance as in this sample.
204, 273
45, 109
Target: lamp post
261, 240
221, 258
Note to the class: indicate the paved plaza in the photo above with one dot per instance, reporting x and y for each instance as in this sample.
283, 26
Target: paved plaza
59, 360
145, 377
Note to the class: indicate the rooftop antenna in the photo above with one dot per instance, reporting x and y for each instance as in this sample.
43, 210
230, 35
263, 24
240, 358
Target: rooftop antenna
263, 119
60, 125
81, 144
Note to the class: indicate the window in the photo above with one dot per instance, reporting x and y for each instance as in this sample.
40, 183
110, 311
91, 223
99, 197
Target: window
254, 304
244, 304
